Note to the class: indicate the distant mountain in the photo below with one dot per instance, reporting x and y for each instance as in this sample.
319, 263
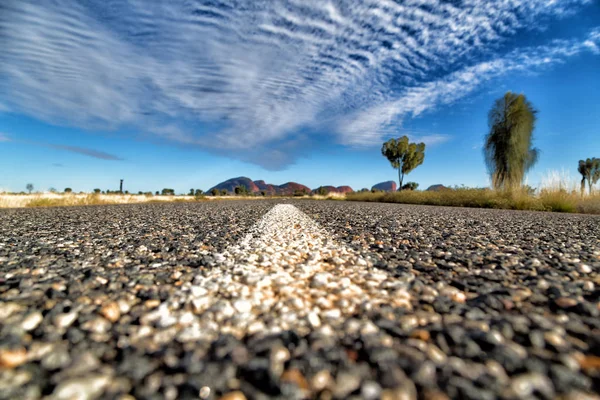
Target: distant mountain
388, 186
332, 189
266, 187
344, 189
231, 184
287, 189
436, 188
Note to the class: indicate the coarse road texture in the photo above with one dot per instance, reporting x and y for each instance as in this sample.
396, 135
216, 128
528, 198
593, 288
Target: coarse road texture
298, 299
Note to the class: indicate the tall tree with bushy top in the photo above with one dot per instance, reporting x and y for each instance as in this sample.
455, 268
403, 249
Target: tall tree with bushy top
508, 152
403, 155
590, 172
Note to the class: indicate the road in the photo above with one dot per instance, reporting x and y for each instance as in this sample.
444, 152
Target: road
298, 299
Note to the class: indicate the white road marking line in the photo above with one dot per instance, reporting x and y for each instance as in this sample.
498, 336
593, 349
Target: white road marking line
287, 273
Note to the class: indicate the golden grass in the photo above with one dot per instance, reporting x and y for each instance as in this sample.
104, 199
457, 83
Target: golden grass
547, 200
84, 199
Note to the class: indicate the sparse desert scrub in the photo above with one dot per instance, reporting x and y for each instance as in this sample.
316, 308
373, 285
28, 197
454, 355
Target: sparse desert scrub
558, 193
71, 199
458, 197
10, 200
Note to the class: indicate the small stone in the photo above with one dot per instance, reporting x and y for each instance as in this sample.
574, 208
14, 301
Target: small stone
435, 354
55, 360
32, 321
524, 385
319, 280
242, 306
236, 395
434, 394
204, 392
420, 334
584, 268
408, 322
313, 319
85, 387
565, 302
65, 320
406, 392
321, 380
554, 339
590, 362
295, 377
370, 390
458, 297
12, 358
346, 383
278, 356
111, 311
333, 314
152, 303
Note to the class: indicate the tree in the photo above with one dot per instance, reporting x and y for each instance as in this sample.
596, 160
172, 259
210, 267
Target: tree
191, 193
214, 192
240, 190
52, 190
410, 186
321, 191
507, 150
403, 156
300, 192
97, 191
223, 192
590, 172
198, 192
68, 190
29, 187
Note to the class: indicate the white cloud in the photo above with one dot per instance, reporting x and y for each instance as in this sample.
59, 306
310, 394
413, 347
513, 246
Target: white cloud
4, 137
248, 75
370, 125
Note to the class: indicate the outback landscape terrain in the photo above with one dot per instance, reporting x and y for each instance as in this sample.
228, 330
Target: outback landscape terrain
300, 199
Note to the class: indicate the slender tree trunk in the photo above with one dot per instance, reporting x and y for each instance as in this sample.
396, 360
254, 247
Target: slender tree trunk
582, 187
400, 178
590, 186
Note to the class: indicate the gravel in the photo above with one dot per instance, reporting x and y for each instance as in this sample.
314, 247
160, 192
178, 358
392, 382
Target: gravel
298, 299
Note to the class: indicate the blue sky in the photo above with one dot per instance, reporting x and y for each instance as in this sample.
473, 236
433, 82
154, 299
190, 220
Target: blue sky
187, 94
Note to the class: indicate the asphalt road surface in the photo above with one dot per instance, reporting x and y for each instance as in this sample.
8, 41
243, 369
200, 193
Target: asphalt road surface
298, 299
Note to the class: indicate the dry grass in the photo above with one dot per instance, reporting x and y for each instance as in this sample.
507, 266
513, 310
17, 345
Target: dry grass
329, 196
8, 200
61, 200
558, 201
559, 193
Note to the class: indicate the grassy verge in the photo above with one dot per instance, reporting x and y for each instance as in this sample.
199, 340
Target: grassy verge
86, 199
546, 200
83, 199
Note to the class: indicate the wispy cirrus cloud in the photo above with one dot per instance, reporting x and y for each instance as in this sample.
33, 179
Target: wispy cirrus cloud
73, 149
365, 126
253, 74
84, 151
